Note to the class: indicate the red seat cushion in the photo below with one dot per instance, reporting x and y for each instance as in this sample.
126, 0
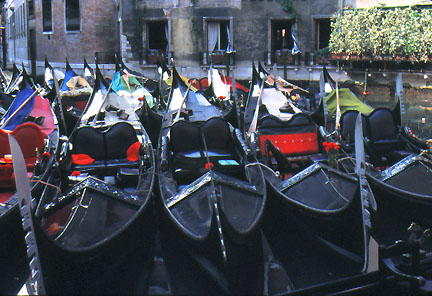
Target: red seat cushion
82, 159
133, 151
29, 136
4, 143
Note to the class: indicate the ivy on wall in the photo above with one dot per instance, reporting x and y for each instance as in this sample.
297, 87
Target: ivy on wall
383, 32
287, 6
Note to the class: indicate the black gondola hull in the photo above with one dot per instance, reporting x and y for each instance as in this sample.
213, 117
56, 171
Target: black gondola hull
119, 264
396, 210
198, 267
315, 246
14, 269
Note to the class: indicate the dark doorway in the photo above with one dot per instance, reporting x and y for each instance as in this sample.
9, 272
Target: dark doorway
281, 41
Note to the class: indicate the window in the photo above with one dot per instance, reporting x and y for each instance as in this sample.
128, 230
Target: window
157, 41
157, 35
323, 31
31, 8
72, 17
217, 35
46, 16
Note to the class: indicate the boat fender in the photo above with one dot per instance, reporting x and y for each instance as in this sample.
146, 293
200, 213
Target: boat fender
164, 153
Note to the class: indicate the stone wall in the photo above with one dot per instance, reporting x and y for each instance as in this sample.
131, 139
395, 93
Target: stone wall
250, 21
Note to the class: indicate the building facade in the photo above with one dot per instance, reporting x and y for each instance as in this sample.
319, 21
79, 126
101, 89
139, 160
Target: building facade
197, 33
287, 36
60, 30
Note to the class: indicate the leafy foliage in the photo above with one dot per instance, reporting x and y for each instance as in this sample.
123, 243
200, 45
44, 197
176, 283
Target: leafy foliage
323, 52
383, 32
286, 5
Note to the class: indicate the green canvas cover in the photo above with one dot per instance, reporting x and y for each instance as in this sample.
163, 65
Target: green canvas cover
347, 101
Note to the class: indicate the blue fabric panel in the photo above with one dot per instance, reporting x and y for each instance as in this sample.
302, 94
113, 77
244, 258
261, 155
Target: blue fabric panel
116, 82
68, 75
18, 118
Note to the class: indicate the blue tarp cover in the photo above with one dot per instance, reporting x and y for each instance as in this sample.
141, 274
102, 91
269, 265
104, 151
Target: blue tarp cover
18, 118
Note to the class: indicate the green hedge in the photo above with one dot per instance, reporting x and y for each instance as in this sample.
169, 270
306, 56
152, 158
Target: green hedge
383, 32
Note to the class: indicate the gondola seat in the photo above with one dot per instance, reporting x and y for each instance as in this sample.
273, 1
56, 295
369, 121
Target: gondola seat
382, 133
347, 128
297, 136
189, 156
220, 146
114, 148
185, 142
30, 138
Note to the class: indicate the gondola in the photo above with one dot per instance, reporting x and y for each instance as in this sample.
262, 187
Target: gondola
94, 223
72, 93
75, 90
314, 220
89, 73
32, 122
399, 172
151, 112
13, 86
219, 94
15, 80
212, 197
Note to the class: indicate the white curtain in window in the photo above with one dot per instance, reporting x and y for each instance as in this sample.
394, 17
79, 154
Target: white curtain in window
213, 29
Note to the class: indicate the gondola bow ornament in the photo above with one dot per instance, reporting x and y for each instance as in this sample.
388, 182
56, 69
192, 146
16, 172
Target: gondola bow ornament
36, 286
367, 197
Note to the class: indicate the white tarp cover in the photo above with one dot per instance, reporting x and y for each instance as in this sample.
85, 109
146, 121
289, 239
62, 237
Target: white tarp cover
220, 88
273, 100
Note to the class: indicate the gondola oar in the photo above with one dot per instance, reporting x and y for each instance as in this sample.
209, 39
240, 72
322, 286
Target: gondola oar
182, 102
254, 122
338, 110
36, 286
293, 85
236, 104
103, 101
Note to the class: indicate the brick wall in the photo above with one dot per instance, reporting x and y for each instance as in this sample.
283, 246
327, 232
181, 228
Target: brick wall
99, 32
